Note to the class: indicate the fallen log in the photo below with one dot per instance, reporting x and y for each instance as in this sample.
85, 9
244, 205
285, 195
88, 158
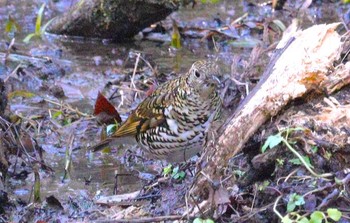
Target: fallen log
302, 64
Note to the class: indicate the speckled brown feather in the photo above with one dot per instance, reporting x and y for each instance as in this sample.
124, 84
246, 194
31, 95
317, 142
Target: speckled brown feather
173, 121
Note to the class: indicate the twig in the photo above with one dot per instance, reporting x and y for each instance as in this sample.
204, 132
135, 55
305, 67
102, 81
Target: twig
31, 59
16, 139
68, 161
148, 64
253, 202
131, 89
132, 84
187, 205
329, 198
12, 73
290, 174
347, 34
239, 19
249, 215
318, 189
325, 175
67, 106
275, 208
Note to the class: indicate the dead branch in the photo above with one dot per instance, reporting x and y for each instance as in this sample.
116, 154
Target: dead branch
303, 64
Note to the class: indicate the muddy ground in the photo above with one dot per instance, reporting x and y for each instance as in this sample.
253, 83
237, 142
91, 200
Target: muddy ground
47, 100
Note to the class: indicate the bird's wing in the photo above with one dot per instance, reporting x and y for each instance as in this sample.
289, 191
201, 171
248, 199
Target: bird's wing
148, 114
164, 88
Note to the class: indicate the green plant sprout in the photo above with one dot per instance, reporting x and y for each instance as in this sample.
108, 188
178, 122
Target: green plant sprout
274, 140
12, 25
175, 173
200, 220
39, 31
295, 200
315, 217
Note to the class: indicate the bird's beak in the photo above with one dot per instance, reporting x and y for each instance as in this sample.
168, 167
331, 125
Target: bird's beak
216, 81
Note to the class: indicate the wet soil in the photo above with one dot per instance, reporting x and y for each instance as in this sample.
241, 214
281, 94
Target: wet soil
64, 76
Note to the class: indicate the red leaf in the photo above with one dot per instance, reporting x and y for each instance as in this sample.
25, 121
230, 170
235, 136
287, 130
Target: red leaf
104, 108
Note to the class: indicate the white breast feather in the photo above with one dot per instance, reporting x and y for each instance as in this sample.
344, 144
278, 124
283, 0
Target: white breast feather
172, 125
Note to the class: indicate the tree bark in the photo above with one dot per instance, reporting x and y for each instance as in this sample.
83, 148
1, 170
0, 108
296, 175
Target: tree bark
111, 19
301, 65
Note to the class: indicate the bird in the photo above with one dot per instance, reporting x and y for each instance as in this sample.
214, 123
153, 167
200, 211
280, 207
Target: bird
172, 122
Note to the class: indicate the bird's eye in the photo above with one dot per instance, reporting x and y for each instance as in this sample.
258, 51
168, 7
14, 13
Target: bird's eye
197, 74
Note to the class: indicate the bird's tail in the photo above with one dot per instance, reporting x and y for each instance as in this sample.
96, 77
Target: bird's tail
115, 140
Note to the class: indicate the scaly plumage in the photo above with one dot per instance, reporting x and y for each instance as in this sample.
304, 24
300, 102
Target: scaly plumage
172, 123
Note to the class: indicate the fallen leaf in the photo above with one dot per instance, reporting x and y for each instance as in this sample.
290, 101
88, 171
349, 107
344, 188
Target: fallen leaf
105, 111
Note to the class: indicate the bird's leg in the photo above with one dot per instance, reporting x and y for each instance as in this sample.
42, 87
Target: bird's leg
188, 165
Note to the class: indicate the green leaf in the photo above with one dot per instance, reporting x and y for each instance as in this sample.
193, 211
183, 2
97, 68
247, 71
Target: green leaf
307, 161
334, 214
272, 141
8, 26
314, 149
275, 140
111, 129
28, 37
56, 114
36, 186
263, 185
181, 175
303, 220
299, 200
294, 200
175, 37
280, 162
21, 93
39, 19
177, 174
12, 24
290, 207
286, 219
198, 220
297, 161
67, 121
316, 217
106, 150
176, 170
167, 170
211, 1
46, 25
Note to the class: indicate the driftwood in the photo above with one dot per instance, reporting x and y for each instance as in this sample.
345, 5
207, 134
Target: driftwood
302, 63
111, 19
117, 199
